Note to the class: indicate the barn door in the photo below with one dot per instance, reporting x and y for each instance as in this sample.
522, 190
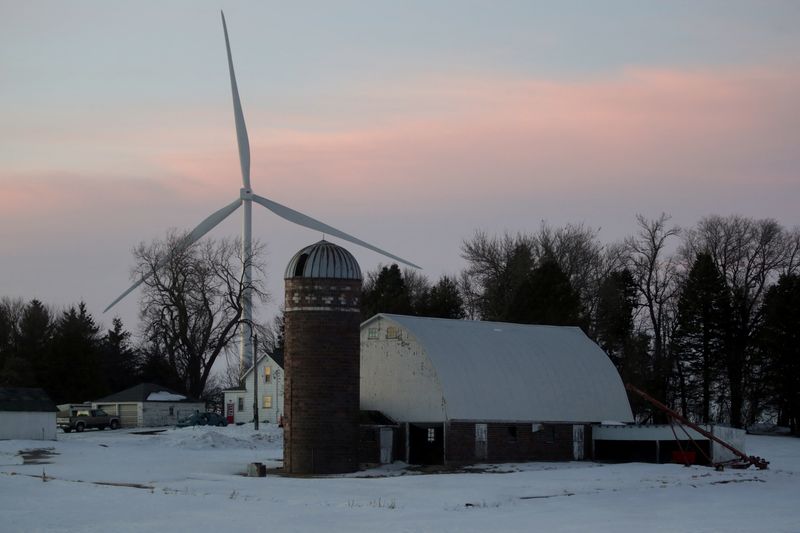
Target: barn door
481, 444
387, 438
577, 442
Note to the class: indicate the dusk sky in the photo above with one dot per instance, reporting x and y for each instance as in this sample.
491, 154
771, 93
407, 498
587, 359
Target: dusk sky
409, 124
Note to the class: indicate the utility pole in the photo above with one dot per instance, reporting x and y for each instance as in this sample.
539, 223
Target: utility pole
255, 381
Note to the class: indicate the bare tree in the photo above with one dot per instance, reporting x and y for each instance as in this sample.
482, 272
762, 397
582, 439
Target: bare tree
655, 276
191, 306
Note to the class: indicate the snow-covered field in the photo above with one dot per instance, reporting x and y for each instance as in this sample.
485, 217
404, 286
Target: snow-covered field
191, 480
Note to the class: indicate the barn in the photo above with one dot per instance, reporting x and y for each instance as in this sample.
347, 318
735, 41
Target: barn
26, 413
469, 391
239, 401
149, 404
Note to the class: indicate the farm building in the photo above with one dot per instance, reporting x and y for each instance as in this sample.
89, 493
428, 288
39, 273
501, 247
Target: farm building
26, 413
239, 401
465, 391
147, 405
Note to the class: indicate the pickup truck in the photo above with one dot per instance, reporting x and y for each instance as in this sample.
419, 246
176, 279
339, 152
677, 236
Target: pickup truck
80, 419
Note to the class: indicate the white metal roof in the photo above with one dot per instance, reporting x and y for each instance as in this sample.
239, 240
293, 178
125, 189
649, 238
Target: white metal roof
501, 371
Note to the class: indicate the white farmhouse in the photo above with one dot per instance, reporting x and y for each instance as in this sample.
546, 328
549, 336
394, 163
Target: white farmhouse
239, 401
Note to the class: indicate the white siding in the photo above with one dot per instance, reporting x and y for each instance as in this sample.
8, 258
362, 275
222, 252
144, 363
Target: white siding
397, 377
27, 425
487, 371
274, 389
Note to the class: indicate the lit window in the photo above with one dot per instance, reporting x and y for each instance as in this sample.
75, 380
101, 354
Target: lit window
431, 435
392, 333
268, 374
240, 405
267, 402
372, 333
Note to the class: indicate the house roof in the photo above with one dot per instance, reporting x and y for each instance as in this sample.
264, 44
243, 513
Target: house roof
502, 371
25, 399
143, 391
274, 357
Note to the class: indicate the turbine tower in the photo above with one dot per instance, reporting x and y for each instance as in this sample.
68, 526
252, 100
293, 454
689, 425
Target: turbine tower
246, 199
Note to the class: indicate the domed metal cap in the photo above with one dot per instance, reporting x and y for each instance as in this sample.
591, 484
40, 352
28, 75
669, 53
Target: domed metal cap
323, 260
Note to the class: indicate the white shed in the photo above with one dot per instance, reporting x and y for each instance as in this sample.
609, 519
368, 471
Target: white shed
26, 413
149, 405
239, 401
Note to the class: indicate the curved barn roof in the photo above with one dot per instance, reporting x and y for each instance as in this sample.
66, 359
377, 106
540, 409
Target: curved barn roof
501, 371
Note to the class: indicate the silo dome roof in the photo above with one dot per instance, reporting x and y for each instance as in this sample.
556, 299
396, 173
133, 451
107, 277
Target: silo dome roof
323, 260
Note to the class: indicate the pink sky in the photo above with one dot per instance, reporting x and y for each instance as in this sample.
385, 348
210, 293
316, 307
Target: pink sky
413, 162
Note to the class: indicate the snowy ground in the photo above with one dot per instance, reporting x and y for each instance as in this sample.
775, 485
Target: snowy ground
190, 480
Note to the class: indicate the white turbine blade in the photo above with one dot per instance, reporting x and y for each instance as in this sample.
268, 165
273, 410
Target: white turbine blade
204, 227
304, 220
210, 222
241, 129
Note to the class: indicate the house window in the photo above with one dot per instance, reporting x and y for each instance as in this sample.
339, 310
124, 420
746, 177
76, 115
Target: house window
431, 435
372, 333
171, 411
267, 402
268, 374
392, 332
240, 404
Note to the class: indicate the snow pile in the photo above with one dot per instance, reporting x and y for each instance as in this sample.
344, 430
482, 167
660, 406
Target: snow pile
164, 396
230, 437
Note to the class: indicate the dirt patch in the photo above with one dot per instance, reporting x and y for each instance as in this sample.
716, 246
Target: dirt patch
37, 456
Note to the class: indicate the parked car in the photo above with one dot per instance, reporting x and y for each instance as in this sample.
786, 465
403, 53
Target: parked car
203, 419
80, 419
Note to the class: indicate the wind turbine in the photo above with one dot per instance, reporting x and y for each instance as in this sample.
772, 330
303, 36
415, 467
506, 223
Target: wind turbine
246, 199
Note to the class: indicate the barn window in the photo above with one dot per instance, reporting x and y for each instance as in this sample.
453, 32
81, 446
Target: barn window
268, 374
372, 333
431, 435
392, 333
267, 402
171, 411
240, 404
512, 433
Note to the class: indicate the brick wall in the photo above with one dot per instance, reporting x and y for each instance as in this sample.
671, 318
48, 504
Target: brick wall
511, 442
321, 394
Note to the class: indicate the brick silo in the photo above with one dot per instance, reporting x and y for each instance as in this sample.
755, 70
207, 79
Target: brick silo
321, 393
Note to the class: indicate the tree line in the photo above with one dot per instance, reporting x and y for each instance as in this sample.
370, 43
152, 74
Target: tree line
706, 319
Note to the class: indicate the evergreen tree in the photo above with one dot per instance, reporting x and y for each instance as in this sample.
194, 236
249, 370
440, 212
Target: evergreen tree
780, 341
546, 297
444, 300
385, 293
615, 307
699, 340
73, 372
119, 359
27, 363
